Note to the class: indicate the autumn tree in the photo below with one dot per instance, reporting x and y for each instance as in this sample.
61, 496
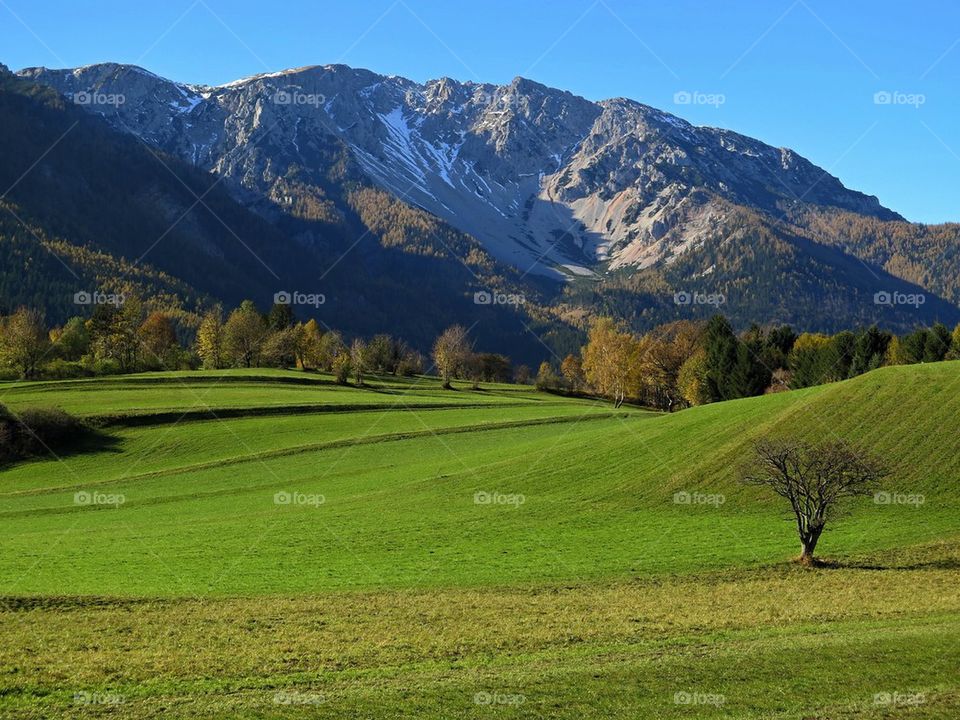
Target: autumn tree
158, 338
359, 359
209, 343
494, 367
114, 333
281, 347
662, 353
608, 360
954, 353
340, 366
24, 341
547, 378
450, 351
572, 370
331, 347
244, 335
310, 345
692, 379
521, 375
815, 480
411, 363
384, 354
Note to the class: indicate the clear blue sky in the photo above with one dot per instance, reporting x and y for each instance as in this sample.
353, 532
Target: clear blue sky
800, 74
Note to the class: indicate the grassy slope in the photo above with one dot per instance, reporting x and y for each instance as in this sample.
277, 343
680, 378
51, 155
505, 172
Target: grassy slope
598, 492
589, 597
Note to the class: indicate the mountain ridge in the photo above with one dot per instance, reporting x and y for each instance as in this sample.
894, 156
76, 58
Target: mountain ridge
580, 207
518, 166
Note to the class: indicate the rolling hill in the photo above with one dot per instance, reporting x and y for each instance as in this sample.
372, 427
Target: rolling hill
177, 466
269, 544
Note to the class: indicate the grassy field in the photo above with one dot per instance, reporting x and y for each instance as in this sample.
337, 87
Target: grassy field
269, 544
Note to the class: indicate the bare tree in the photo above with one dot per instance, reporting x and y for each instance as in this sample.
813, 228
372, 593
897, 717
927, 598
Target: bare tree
815, 480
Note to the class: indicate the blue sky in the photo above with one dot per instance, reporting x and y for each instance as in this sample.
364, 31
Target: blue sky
795, 73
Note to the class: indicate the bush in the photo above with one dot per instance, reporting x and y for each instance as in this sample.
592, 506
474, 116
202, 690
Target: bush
8, 434
36, 431
52, 427
60, 369
106, 366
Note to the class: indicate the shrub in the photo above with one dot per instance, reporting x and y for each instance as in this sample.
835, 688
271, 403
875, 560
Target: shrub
107, 366
50, 427
60, 369
37, 431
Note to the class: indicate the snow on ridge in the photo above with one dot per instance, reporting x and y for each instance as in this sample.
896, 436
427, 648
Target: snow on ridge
260, 76
192, 100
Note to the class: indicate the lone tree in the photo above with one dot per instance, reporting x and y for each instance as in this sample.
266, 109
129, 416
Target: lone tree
815, 480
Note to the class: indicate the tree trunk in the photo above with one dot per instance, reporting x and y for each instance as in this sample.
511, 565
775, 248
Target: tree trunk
808, 544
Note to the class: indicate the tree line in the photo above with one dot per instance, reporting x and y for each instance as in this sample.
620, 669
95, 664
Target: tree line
123, 337
688, 363
673, 366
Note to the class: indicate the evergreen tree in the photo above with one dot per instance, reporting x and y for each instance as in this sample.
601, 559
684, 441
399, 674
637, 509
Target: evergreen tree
938, 343
869, 350
723, 357
280, 316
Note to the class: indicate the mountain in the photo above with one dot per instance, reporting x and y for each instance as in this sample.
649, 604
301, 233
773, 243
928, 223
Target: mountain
544, 179
86, 208
581, 207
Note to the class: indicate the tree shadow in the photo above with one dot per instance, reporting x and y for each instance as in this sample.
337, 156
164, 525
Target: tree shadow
948, 563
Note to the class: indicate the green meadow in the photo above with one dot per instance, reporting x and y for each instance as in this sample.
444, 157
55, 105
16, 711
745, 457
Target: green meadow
270, 544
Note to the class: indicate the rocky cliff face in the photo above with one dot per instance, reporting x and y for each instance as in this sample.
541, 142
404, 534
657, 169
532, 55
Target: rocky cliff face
547, 181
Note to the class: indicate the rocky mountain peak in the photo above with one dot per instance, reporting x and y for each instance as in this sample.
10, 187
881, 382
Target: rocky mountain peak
546, 180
